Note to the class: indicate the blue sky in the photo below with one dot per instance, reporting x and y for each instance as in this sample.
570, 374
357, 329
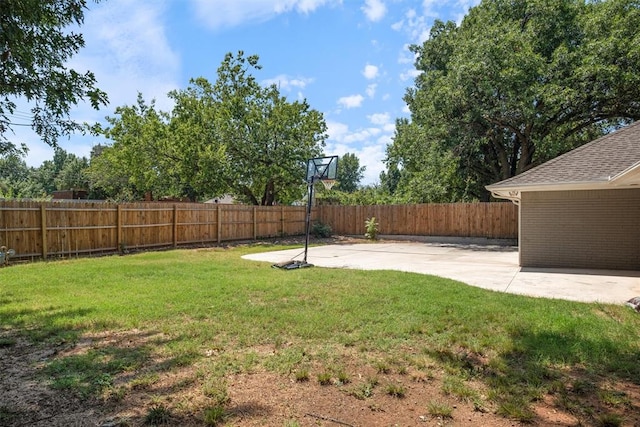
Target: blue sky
348, 58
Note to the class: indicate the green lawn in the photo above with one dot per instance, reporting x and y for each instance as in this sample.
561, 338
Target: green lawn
194, 301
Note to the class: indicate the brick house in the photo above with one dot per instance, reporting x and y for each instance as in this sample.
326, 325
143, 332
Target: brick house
581, 209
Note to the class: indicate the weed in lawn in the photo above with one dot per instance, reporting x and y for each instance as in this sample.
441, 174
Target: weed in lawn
214, 415
614, 398
439, 409
421, 376
144, 381
302, 375
216, 389
342, 377
365, 390
456, 386
324, 378
291, 423
287, 360
157, 414
382, 367
396, 390
583, 387
609, 420
517, 409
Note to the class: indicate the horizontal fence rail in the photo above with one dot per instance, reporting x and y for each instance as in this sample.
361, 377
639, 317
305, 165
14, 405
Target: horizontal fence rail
57, 229
496, 220
70, 228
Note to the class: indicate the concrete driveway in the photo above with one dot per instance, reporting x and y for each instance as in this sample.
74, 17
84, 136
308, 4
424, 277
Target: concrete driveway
488, 267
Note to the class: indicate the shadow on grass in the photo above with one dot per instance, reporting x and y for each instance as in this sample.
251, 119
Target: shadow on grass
56, 370
592, 380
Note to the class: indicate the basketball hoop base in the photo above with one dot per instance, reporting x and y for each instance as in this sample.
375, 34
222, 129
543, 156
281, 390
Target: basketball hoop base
292, 265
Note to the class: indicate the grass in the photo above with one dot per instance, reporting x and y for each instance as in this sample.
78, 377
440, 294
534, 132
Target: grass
439, 409
188, 303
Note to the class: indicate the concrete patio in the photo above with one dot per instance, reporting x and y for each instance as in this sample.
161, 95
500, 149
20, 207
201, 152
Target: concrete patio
486, 266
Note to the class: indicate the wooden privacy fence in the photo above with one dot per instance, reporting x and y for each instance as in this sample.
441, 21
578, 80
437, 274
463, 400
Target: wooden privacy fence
489, 220
49, 229
55, 229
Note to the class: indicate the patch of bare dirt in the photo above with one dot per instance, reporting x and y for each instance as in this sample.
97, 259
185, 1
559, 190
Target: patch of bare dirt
258, 397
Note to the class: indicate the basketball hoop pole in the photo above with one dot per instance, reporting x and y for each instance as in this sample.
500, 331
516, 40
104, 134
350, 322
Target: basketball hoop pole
308, 219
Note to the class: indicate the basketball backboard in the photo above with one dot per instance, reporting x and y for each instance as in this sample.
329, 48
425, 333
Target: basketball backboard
321, 168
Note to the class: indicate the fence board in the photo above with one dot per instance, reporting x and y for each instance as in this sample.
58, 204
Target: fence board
75, 228
489, 220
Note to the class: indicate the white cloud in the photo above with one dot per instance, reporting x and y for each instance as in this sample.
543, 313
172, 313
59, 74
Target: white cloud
371, 90
379, 118
368, 144
374, 10
336, 130
284, 82
228, 13
370, 72
410, 74
127, 49
352, 101
362, 135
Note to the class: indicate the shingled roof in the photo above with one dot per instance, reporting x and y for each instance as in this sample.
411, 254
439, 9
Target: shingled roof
609, 161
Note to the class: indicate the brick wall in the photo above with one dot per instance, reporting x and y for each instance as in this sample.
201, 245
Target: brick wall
581, 229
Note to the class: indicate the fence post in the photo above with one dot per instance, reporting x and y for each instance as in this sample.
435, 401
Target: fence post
281, 220
255, 223
119, 228
43, 229
219, 223
175, 226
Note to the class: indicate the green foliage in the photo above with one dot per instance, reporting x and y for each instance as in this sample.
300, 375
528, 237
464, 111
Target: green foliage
230, 137
396, 390
216, 389
367, 195
320, 230
157, 414
371, 228
214, 415
350, 173
324, 378
64, 172
515, 84
365, 390
439, 409
35, 45
302, 375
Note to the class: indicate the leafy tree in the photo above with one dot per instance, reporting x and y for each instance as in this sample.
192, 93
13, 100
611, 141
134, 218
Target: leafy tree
231, 137
516, 84
266, 140
137, 163
15, 178
350, 173
35, 44
66, 171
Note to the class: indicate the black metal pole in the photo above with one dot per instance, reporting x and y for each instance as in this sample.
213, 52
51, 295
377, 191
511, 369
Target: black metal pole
308, 220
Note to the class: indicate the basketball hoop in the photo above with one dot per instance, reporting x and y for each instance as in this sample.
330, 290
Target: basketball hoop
323, 169
328, 183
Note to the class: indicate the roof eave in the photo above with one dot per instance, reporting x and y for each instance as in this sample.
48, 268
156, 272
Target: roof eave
514, 192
